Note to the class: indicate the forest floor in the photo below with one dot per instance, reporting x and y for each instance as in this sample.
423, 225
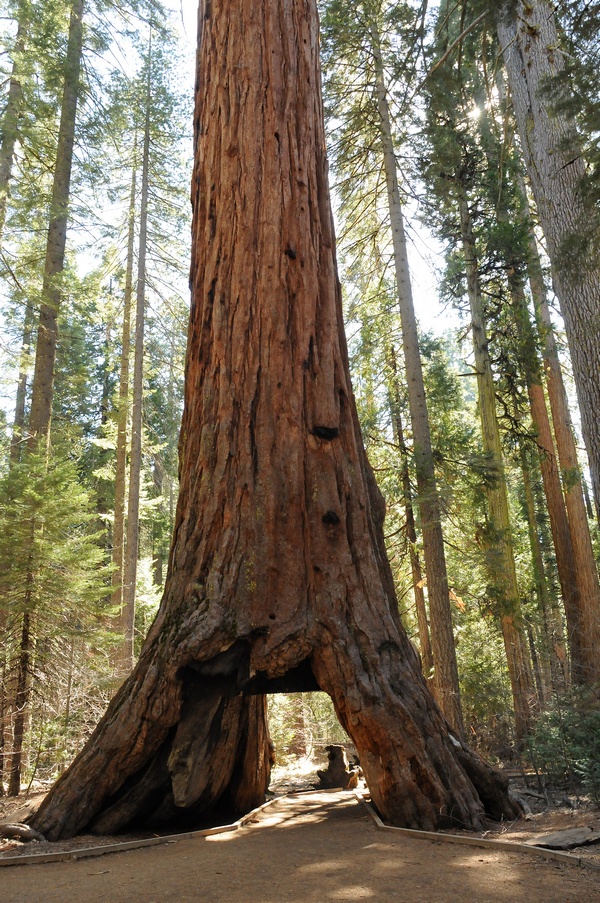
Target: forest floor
314, 848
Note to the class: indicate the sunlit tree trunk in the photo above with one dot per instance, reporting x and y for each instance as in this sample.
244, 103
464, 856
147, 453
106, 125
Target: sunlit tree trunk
47, 337
43, 376
411, 532
583, 629
122, 420
278, 574
499, 551
557, 512
18, 432
135, 460
440, 614
553, 638
12, 114
531, 49
20, 706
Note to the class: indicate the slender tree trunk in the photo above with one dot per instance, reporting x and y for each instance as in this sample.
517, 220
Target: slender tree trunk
14, 458
557, 513
588, 502
411, 531
22, 694
537, 673
442, 635
583, 629
43, 377
12, 115
554, 641
123, 414
18, 432
158, 475
499, 552
531, 49
135, 460
278, 577
4, 698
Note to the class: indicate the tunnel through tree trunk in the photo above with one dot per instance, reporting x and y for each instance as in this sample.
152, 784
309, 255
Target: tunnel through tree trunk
278, 571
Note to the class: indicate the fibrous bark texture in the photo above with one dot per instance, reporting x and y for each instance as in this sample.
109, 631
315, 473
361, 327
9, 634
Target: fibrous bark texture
130, 554
442, 634
43, 376
277, 577
118, 535
531, 48
499, 552
584, 560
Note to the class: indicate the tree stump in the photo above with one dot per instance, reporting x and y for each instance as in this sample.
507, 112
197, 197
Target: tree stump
278, 577
337, 773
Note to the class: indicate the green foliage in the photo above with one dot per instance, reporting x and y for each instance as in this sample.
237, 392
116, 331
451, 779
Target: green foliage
52, 589
302, 723
565, 744
49, 560
484, 684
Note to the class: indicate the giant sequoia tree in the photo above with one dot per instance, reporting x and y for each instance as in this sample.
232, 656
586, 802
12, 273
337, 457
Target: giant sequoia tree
278, 576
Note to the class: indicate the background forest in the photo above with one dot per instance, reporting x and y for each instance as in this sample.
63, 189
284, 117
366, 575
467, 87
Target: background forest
470, 418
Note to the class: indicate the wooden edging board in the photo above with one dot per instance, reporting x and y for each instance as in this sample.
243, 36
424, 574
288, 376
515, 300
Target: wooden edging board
498, 845
507, 846
90, 852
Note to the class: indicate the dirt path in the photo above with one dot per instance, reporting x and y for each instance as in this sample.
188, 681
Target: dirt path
309, 849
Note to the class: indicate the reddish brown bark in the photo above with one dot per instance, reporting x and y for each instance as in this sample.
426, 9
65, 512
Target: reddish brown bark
530, 39
410, 528
583, 628
429, 504
277, 577
47, 337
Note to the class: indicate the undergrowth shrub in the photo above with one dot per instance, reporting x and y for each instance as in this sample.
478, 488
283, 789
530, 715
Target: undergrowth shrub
565, 744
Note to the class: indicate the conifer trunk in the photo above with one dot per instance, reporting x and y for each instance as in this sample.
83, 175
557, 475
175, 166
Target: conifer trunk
585, 666
4, 698
411, 532
47, 337
499, 552
20, 705
553, 638
442, 635
43, 376
531, 49
18, 432
12, 115
277, 576
123, 411
555, 503
135, 460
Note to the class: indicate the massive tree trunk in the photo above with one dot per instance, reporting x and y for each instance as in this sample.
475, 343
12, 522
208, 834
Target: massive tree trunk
278, 577
531, 49
499, 550
442, 635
